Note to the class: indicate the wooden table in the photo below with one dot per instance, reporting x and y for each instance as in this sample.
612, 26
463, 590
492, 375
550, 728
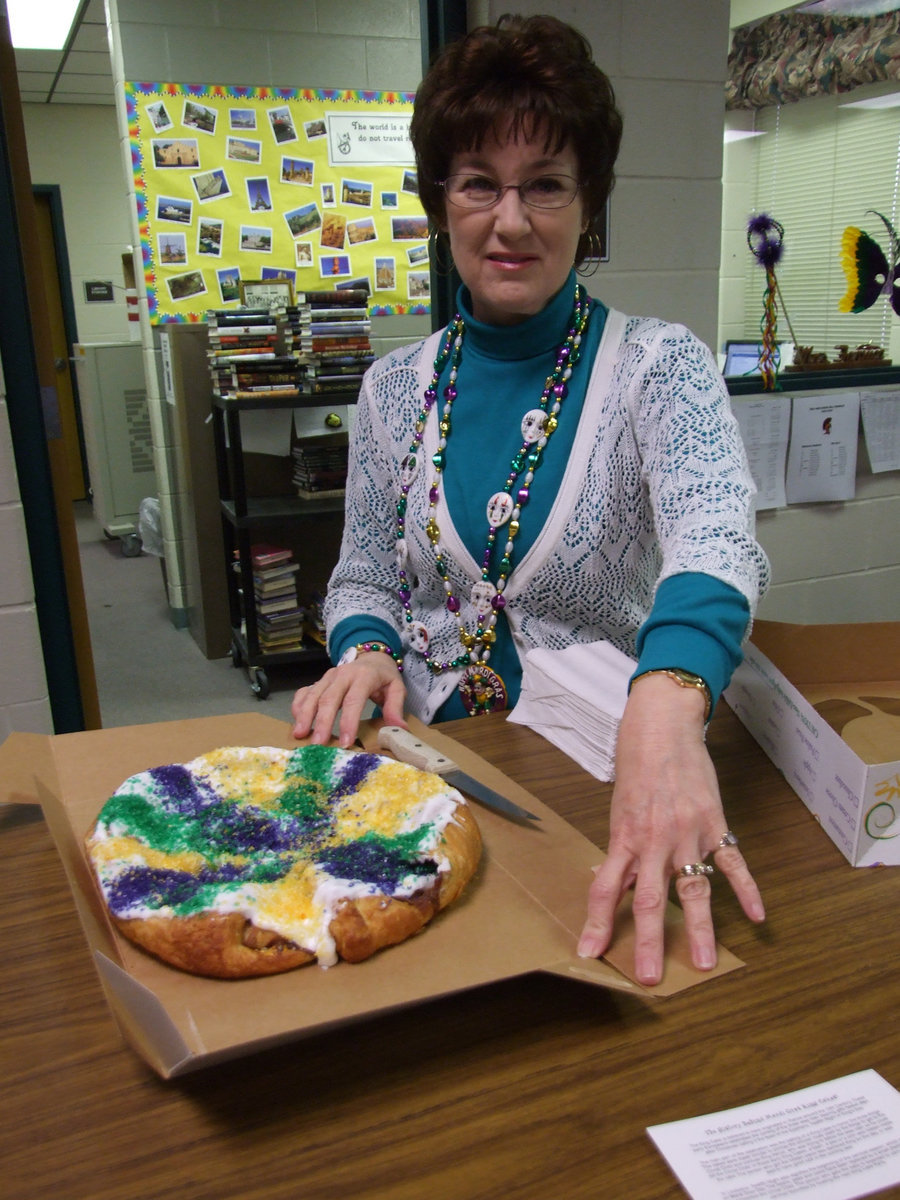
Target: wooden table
538, 1087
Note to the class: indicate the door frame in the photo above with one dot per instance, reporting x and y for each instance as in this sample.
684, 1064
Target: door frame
53, 192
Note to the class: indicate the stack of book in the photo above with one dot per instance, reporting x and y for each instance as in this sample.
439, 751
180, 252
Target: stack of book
329, 333
320, 466
246, 355
279, 616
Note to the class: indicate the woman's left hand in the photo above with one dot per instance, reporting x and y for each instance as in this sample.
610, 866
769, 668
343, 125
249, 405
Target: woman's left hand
666, 813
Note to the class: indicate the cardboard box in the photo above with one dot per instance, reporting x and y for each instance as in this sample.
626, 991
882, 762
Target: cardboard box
521, 913
823, 701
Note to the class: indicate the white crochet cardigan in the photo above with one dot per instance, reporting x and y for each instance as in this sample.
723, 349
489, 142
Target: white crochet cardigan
657, 484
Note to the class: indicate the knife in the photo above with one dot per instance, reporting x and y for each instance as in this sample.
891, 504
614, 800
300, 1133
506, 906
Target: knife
408, 748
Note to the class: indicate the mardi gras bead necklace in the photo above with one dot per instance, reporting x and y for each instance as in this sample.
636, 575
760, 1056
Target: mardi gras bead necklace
482, 688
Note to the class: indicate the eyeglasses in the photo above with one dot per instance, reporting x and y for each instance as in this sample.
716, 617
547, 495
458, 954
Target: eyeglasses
479, 191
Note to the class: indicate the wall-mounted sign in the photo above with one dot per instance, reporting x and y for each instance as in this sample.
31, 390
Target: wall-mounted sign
98, 291
238, 184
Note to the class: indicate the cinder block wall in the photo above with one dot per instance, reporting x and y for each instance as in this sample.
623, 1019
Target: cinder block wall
836, 562
24, 699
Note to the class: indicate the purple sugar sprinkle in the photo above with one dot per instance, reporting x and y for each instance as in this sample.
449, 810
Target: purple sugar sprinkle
182, 792
354, 773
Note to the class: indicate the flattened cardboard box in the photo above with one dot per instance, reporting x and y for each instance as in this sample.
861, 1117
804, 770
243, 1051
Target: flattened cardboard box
823, 701
521, 913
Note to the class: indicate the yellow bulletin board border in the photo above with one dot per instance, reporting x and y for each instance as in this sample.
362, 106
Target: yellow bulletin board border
250, 183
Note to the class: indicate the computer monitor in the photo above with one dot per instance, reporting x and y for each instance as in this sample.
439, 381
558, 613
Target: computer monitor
742, 358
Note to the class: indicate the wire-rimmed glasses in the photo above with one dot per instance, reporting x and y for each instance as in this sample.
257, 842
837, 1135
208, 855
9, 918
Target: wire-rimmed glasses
468, 190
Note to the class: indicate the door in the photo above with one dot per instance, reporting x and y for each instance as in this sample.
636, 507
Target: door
56, 308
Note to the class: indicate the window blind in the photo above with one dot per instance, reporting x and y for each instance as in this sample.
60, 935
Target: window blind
820, 167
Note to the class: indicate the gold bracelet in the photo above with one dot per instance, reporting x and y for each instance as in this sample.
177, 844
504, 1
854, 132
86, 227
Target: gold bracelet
684, 679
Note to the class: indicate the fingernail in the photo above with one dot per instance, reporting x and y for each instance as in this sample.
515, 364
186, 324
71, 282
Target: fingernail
589, 947
648, 973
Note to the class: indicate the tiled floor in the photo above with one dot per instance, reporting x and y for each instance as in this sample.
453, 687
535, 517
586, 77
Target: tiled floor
147, 670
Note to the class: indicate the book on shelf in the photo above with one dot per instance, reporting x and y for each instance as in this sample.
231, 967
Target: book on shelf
269, 379
335, 328
286, 393
276, 589
279, 621
310, 345
328, 367
278, 605
276, 572
264, 554
254, 330
317, 387
239, 345
338, 355
284, 645
307, 314
331, 296
256, 356
239, 316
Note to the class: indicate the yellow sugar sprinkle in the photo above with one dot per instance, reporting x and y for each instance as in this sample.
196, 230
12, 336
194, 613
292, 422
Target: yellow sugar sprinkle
289, 905
374, 806
115, 849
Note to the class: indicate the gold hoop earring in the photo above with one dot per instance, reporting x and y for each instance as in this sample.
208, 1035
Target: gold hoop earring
589, 253
439, 251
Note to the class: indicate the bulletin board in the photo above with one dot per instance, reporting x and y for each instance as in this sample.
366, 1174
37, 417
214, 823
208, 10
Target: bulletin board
237, 184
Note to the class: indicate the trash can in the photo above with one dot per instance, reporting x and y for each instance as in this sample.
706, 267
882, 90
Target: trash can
150, 533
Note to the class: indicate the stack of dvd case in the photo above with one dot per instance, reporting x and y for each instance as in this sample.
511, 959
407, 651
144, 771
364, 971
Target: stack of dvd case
246, 355
279, 616
329, 333
320, 466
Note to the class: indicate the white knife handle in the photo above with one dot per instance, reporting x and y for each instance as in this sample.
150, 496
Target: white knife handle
408, 748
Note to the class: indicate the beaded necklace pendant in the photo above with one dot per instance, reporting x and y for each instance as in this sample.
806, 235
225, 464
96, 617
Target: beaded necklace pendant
481, 688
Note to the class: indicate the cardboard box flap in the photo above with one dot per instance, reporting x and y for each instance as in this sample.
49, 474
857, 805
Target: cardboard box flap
142, 1018
554, 863
830, 653
26, 758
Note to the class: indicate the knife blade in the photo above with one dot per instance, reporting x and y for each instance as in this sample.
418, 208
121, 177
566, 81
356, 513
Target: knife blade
409, 748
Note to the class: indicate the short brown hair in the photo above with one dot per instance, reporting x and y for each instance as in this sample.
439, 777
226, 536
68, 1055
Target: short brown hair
537, 74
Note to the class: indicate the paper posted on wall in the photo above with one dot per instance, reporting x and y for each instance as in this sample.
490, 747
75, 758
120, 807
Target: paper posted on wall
575, 699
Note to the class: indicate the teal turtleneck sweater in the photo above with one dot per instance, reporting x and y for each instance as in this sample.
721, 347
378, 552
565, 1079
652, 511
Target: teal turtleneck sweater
697, 623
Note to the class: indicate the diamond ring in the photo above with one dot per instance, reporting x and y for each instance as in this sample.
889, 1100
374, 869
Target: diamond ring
696, 869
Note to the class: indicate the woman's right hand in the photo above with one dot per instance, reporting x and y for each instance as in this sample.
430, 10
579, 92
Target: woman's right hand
372, 675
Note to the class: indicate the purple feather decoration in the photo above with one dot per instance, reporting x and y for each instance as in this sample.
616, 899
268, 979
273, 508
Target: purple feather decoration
765, 237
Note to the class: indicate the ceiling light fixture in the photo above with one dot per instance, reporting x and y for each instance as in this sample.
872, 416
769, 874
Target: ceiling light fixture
43, 26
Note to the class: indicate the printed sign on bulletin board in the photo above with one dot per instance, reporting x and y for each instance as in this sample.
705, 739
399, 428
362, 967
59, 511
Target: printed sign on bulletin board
238, 184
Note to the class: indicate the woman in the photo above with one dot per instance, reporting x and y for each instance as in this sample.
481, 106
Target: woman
546, 472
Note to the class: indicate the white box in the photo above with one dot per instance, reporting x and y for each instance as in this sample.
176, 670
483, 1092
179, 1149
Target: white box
823, 701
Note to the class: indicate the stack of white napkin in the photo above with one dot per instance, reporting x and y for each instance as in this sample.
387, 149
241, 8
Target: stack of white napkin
575, 699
